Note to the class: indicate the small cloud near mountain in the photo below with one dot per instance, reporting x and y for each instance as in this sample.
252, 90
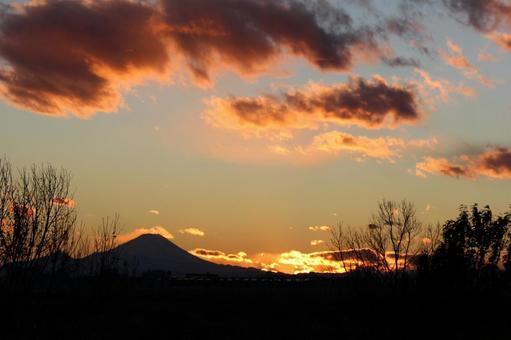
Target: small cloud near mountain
192, 232
316, 242
320, 228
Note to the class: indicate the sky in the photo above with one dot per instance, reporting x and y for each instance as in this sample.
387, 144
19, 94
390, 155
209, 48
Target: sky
238, 128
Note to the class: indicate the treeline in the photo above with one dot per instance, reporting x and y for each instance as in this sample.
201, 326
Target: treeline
474, 246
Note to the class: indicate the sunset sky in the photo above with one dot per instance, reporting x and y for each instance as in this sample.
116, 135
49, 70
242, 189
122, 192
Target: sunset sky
240, 125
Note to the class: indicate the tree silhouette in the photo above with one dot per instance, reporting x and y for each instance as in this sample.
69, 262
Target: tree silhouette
473, 242
393, 231
37, 215
104, 244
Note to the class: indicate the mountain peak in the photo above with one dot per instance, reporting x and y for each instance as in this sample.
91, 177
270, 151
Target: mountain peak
150, 238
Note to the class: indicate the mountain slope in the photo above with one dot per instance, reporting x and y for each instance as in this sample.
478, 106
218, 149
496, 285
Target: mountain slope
154, 252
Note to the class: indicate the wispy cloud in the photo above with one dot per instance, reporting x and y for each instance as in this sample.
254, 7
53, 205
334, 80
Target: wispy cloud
361, 147
438, 89
381, 148
457, 59
154, 212
486, 57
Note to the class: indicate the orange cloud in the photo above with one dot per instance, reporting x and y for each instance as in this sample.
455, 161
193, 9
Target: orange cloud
381, 148
502, 39
157, 230
154, 212
442, 166
294, 262
494, 163
439, 89
192, 231
297, 262
316, 242
67, 202
455, 58
367, 103
320, 228
239, 259
486, 57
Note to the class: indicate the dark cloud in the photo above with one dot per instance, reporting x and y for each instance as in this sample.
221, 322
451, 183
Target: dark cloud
400, 62
368, 103
75, 56
67, 55
493, 163
444, 167
484, 15
239, 259
206, 252
366, 256
496, 163
249, 33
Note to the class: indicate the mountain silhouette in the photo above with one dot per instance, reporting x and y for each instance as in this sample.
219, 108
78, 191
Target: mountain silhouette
152, 252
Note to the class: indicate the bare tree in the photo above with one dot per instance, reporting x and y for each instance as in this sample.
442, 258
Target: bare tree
105, 243
388, 244
351, 248
37, 215
393, 231
6, 194
431, 239
338, 243
37, 221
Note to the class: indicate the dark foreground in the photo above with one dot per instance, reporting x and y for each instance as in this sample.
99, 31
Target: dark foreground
327, 308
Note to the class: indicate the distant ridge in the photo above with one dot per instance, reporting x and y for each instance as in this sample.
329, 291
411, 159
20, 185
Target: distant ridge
151, 252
